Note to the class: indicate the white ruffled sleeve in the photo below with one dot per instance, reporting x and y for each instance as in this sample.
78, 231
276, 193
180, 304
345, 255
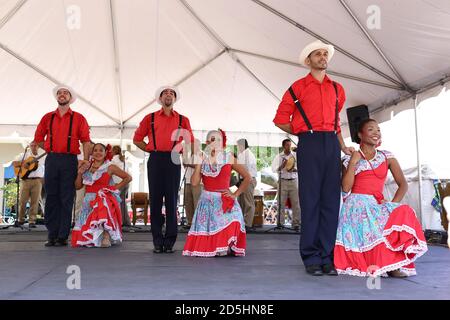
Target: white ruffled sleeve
388, 154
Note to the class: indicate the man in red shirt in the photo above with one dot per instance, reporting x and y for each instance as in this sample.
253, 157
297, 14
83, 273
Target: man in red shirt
60, 132
164, 129
310, 109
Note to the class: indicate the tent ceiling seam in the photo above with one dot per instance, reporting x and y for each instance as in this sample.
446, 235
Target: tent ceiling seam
116, 63
339, 74
440, 82
227, 48
12, 13
317, 36
182, 80
254, 76
212, 34
375, 45
48, 77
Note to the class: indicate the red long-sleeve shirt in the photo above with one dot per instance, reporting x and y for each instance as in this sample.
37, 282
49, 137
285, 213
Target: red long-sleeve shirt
317, 99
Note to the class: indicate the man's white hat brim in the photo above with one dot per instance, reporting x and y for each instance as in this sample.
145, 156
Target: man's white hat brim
316, 45
72, 92
161, 89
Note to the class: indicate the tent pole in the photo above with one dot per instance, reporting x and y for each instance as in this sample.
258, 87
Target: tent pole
185, 78
419, 163
55, 81
338, 74
116, 63
12, 13
375, 45
440, 82
317, 36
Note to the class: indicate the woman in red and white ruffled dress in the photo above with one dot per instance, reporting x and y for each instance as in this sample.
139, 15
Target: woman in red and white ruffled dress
375, 237
218, 226
100, 220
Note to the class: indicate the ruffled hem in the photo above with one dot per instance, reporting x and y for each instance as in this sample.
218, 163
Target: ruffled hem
376, 262
383, 273
92, 236
105, 216
229, 238
402, 243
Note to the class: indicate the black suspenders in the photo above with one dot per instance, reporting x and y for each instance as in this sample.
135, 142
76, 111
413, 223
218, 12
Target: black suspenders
303, 114
300, 109
336, 113
153, 130
51, 132
69, 136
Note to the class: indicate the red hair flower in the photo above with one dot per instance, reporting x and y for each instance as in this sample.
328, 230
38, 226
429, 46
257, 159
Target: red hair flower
109, 154
224, 138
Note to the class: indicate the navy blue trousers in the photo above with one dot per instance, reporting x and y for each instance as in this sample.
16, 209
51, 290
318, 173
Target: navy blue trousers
319, 168
59, 180
163, 184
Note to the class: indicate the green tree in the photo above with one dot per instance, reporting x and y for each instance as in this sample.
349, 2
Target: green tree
10, 193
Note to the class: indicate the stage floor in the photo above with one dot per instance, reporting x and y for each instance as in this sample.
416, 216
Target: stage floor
272, 270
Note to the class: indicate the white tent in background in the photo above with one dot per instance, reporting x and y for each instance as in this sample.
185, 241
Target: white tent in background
233, 59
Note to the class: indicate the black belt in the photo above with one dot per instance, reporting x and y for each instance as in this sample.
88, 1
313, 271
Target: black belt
32, 178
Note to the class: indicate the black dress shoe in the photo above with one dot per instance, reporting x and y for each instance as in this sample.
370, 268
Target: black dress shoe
314, 270
169, 250
329, 270
158, 249
61, 243
32, 225
50, 243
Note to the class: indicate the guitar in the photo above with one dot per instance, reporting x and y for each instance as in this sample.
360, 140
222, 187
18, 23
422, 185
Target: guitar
23, 171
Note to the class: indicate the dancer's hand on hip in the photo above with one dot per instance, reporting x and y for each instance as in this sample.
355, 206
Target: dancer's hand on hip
229, 194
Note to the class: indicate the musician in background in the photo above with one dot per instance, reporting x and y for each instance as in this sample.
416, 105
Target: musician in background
286, 163
30, 184
246, 198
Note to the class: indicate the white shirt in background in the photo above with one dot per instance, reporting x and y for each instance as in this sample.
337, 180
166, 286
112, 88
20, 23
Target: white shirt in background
189, 170
121, 165
248, 159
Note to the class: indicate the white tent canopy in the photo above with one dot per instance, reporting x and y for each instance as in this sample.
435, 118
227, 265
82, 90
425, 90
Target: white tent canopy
232, 59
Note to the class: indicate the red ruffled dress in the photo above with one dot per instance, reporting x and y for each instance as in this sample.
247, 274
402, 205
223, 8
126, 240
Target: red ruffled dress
100, 211
218, 226
374, 236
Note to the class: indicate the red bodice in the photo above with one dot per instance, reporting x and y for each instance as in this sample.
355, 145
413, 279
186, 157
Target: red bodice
101, 183
371, 181
219, 183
